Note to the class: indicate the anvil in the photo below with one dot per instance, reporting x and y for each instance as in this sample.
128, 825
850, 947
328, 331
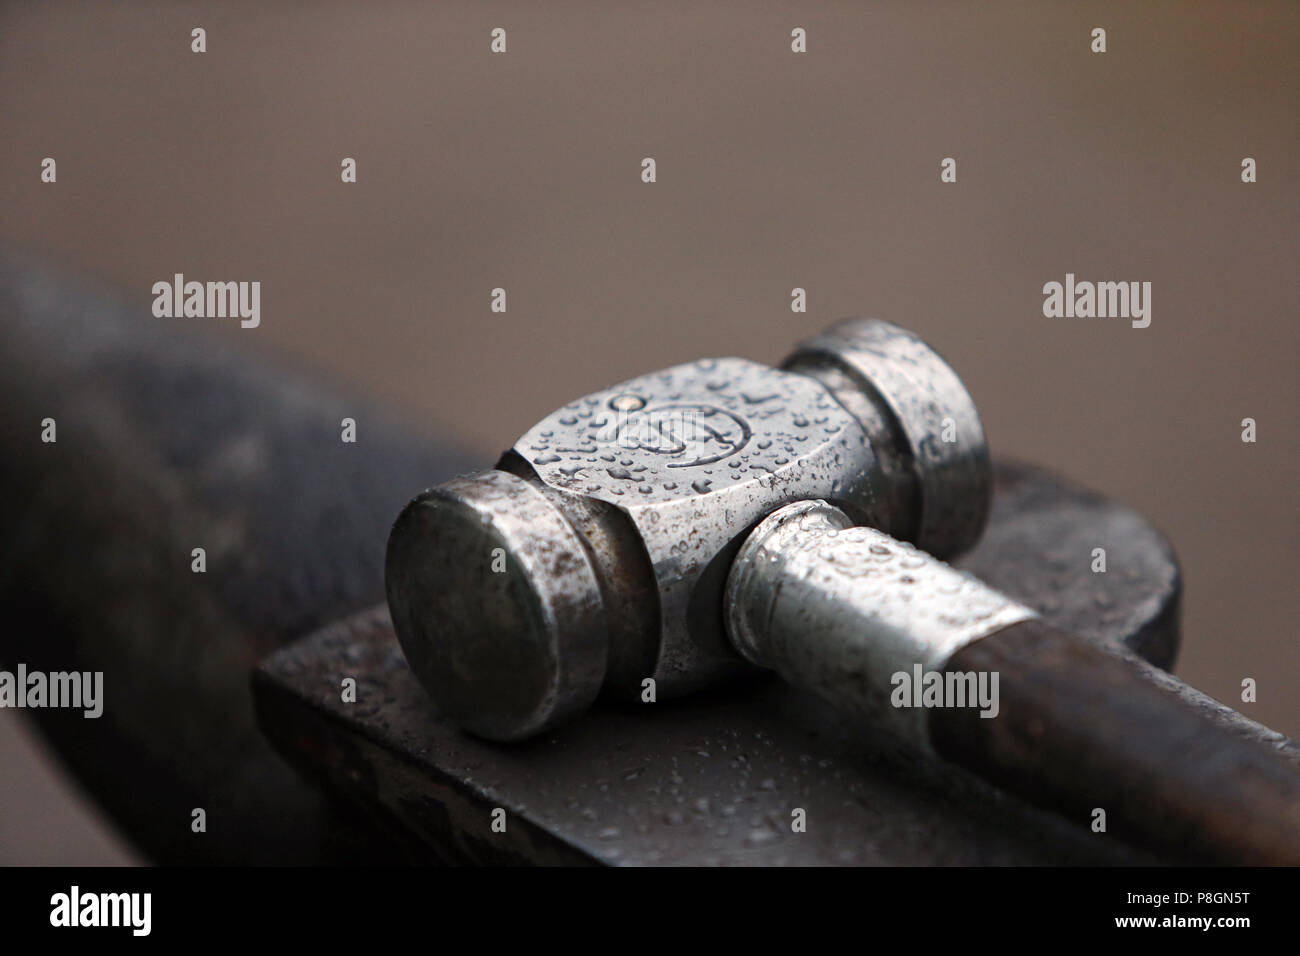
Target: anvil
169, 441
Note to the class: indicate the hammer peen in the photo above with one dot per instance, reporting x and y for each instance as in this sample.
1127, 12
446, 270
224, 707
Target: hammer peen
686, 524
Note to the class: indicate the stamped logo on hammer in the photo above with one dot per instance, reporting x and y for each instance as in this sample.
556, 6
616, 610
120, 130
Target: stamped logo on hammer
694, 433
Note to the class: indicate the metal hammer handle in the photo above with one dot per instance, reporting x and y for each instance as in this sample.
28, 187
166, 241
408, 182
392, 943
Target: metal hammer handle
910, 644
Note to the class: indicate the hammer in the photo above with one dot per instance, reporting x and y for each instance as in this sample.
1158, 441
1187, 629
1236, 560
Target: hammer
683, 526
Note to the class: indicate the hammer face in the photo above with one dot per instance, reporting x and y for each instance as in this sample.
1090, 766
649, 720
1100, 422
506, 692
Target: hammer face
693, 457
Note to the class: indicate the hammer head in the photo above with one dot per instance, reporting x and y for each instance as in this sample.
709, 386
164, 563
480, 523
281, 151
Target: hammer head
595, 555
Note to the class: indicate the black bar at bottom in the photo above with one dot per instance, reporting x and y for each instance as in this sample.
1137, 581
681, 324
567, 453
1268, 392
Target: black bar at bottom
452, 908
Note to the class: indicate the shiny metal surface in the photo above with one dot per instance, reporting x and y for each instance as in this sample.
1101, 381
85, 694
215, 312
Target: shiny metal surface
839, 610
712, 447
497, 606
907, 397
650, 487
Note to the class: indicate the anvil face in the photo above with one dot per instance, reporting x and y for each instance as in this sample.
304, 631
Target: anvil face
694, 456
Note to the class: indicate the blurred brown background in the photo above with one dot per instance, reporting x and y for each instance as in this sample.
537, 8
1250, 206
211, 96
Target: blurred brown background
775, 170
